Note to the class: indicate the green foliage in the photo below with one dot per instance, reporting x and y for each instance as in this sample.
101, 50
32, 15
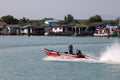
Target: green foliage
68, 19
10, 19
82, 22
23, 20
61, 22
95, 18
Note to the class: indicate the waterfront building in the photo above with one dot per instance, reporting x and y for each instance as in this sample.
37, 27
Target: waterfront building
52, 27
10, 30
102, 29
2, 25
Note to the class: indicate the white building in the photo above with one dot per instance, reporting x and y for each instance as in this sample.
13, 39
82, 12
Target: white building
57, 29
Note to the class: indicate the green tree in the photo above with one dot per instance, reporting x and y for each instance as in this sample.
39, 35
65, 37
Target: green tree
68, 19
23, 20
96, 18
9, 19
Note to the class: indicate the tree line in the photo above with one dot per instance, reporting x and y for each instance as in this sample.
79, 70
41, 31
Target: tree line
9, 19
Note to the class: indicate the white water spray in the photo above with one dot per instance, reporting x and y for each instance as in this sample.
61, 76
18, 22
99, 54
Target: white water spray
112, 54
64, 59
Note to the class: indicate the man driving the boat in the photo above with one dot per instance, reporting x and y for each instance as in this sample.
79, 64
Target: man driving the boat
70, 47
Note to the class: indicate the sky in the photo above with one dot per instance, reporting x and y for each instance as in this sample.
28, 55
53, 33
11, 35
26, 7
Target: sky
79, 9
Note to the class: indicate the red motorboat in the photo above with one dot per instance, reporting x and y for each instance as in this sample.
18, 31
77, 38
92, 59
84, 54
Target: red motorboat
53, 53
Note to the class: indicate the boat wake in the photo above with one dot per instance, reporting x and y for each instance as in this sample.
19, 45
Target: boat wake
112, 54
67, 59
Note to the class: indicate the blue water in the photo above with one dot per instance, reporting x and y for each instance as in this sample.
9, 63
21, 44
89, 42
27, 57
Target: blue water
22, 58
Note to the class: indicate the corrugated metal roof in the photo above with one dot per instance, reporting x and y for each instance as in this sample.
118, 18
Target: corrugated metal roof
27, 26
81, 25
50, 25
3, 23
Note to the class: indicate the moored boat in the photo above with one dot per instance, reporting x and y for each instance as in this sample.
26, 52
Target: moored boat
101, 35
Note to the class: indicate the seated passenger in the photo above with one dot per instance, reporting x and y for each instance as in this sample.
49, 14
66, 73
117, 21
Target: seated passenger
79, 54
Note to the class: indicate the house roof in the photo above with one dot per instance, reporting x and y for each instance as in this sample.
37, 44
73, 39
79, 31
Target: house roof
65, 26
36, 27
14, 26
50, 25
94, 24
27, 26
81, 25
3, 23
99, 24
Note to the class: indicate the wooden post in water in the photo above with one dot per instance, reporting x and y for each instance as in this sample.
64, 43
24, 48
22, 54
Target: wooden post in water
19, 31
108, 31
75, 31
29, 31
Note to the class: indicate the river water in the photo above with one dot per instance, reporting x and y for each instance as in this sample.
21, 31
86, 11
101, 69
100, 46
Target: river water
23, 58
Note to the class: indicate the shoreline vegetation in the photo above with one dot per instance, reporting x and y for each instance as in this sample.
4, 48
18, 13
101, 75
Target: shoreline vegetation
94, 26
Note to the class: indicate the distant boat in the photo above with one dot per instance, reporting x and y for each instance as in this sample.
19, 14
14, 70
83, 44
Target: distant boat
102, 32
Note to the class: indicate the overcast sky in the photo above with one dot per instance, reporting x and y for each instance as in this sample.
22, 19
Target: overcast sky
80, 9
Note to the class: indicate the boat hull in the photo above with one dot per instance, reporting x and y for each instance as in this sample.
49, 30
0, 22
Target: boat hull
101, 35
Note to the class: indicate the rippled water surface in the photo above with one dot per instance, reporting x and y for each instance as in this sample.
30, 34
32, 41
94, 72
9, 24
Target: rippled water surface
22, 58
